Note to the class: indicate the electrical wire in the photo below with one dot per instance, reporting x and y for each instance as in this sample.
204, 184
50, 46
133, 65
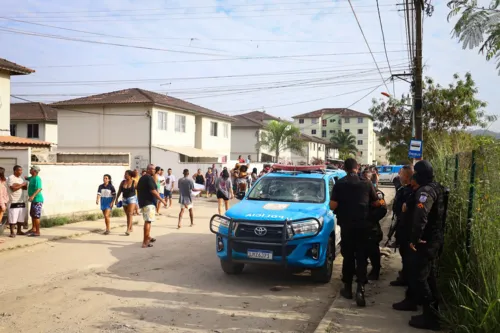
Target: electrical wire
385, 48
366, 41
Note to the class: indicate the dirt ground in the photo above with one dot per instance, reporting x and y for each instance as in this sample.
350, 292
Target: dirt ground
98, 283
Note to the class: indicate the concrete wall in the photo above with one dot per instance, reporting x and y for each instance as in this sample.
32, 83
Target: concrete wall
366, 153
10, 157
66, 193
243, 142
50, 132
4, 103
220, 143
309, 126
101, 129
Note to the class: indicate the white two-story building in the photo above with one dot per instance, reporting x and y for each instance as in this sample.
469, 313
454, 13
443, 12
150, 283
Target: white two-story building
326, 123
152, 127
36, 121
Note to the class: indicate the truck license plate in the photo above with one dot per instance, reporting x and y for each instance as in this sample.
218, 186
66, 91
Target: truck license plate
260, 254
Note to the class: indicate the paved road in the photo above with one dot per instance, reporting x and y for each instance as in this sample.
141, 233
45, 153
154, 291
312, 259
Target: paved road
98, 283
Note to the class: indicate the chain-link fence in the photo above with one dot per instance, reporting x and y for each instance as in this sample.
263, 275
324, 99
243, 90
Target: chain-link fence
470, 264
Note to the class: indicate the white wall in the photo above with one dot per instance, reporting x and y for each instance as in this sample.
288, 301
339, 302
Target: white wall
220, 143
308, 126
170, 136
69, 189
101, 129
50, 133
243, 142
367, 136
4, 103
22, 157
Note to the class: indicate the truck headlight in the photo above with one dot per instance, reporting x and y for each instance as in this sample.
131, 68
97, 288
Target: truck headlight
307, 227
219, 221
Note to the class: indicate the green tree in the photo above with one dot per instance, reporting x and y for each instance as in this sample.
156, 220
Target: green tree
279, 136
477, 26
445, 109
345, 143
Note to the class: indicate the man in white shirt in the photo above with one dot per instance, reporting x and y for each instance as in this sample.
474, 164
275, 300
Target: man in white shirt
17, 206
169, 187
161, 178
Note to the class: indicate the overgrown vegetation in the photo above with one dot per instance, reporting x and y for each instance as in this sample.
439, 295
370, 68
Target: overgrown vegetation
50, 222
470, 278
454, 107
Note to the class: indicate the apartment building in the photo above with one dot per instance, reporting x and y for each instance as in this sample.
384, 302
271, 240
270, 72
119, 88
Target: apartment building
326, 123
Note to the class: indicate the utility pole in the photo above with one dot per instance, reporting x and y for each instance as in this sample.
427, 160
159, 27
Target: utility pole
419, 4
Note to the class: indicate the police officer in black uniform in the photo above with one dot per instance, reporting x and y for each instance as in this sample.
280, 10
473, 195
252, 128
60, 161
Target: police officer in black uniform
426, 240
403, 221
376, 214
351, 199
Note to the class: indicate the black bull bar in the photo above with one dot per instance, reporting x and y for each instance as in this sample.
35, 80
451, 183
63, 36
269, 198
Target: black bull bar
286, 226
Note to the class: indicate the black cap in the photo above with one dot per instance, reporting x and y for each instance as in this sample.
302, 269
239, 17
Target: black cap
424, 173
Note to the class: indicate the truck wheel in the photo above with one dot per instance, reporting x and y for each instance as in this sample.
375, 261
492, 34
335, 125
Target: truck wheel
230, 268
323, 274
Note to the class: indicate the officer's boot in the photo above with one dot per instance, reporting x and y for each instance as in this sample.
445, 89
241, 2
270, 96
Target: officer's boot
405, 305
428, 320
374, 273
360, 295
346, 292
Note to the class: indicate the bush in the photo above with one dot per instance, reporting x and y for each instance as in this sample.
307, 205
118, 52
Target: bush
117, 212
470, 278
50, 222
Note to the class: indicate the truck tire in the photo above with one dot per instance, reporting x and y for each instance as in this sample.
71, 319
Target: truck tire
323, 274
231, 268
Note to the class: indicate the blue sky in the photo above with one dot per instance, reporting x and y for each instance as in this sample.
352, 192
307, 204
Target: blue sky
285, 56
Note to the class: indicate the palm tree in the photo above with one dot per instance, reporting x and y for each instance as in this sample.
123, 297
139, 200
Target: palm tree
279, 136
345, 143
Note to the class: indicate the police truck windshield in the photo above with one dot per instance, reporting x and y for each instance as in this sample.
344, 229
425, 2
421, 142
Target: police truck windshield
293, 189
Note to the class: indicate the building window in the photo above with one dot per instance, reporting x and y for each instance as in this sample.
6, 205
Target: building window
225, 128
162, 121
313, 132
324, 122
13, 128
360, 131
33, 131
213, 128
346, 121
323, 133
180, 123
360, 120
340, 121
301, 121
360, 142
332, 120
314, 120
332, 131
347, 130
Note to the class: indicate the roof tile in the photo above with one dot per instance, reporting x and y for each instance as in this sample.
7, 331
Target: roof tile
141, 96
343, 112
17, 141
32, 111
14, 68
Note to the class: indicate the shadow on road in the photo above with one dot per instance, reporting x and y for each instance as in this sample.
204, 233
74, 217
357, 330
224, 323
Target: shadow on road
179, 283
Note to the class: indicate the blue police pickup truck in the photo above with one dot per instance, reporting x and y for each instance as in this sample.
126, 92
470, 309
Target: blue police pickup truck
284, 219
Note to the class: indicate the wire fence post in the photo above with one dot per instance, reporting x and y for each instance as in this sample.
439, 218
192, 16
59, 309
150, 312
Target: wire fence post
470, 208
456, 171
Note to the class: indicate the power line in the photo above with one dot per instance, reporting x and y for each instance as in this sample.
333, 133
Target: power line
78, 111
188, 7
385, 47
107, 20
323, 70
366, 41
113, 15
302, 102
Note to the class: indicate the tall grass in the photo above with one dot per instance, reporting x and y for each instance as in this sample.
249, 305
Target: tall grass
470, 281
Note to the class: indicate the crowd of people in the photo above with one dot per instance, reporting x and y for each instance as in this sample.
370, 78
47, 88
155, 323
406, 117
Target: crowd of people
420, 214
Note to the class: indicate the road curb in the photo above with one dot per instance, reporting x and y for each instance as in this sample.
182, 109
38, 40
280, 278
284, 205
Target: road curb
37, 241
327, 324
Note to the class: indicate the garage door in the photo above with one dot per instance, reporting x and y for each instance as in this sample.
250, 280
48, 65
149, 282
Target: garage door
8, 164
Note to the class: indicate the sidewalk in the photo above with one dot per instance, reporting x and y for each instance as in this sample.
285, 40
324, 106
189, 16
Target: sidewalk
62, 232
378, 316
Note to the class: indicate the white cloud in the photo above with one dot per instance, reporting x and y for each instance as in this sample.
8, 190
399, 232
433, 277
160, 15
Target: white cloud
254, 35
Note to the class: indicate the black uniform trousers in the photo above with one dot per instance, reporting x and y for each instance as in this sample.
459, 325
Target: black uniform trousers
410, 270
353, 247
427, 273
